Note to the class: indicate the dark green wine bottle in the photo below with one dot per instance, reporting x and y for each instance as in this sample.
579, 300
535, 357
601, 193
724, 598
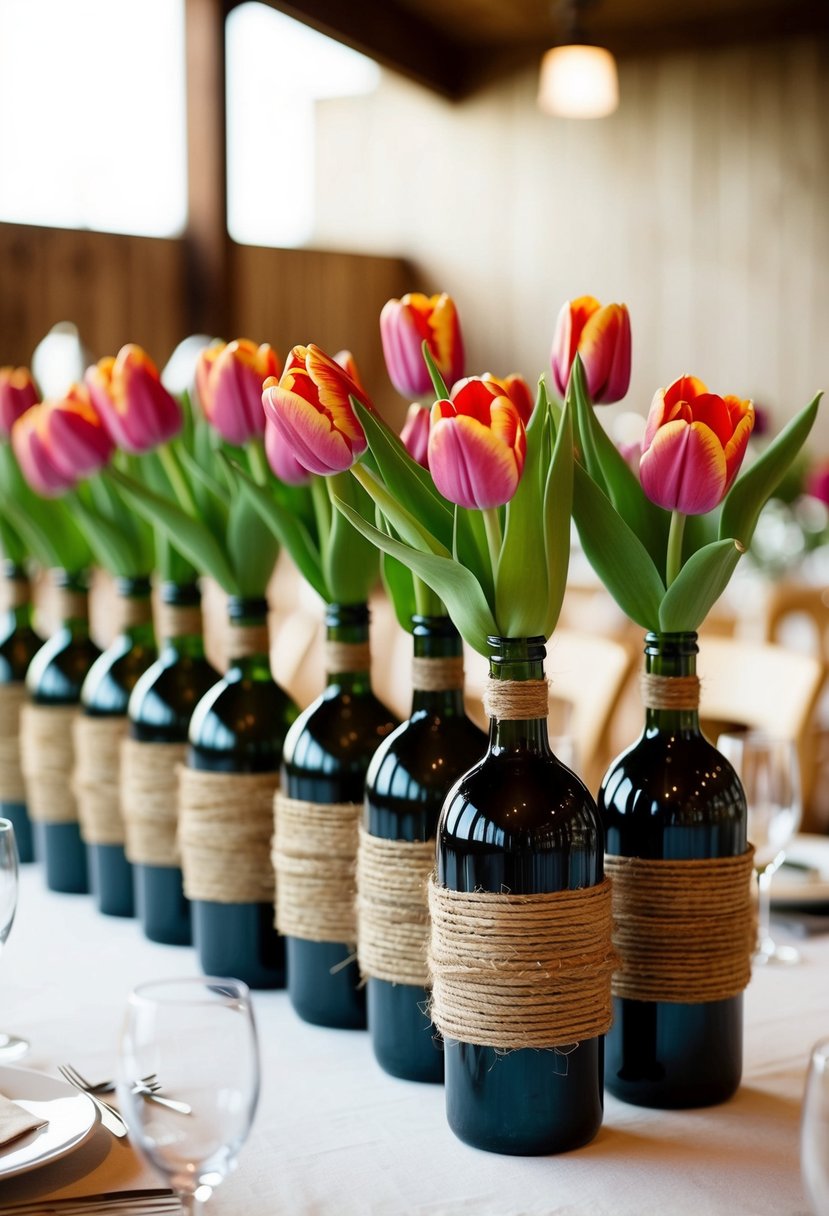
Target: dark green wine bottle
239, 726
105, 694
672, 796
327, 754
160, 709
519, 821
18, 645
407, 783
55, 677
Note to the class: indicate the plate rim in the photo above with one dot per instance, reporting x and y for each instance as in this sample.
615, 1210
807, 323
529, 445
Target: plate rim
802, 894
59, 1150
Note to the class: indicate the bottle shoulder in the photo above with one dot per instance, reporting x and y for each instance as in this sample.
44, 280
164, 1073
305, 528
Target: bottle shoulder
166, 694
425, 755
243, 718
339, 726
17, 649
113, 675
58, 669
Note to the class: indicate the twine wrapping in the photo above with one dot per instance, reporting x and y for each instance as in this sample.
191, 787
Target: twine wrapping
246, 640
47, 757
12, 700
669, 692
224, 834
71, 605
393, 908
683, 930
315, 859
97, 778
341, 657
437, 675
15, 593
131, 610
513, 971
516, 700
149, 801
178, 620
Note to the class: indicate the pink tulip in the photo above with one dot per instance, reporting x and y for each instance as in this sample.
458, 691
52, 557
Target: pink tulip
59, 443
281, 459
817, 483
477, 446
601, 336
310, 410
229, 381
405, 325
135, 406
17, 393
415, 434
693, 446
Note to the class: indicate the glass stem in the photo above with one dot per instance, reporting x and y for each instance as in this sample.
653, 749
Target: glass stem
764, 878
190, 1205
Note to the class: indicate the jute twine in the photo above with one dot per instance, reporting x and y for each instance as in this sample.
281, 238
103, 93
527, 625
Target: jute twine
15, 592
97, 777
669, 692
178, 620
149, 801
12, 700
245, 640
71, 605
514, 971
437, 675
683, 930
341, 657
393, 908
47, 757
315, 859
132, 610
516, 700
224, 834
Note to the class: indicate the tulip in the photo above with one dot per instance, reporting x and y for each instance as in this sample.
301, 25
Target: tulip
135, 406
349, 365
693, 446
477, 446
281, 459
229, 380
516, 388
415, 434
17, 393
405, 325
601, 336
310, 410
58, 443
817, 484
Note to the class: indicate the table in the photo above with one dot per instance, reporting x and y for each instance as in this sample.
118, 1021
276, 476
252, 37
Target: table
335, 1135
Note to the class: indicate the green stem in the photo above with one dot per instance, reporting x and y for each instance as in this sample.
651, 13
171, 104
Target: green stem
259, 467
673, 564
492, 524
181, 489
322, 513
426, 601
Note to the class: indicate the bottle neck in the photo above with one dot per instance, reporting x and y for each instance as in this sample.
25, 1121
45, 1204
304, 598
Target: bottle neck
347, 660
72, 602
135, 611
671, 655
436, 640
17, 595
517, 660
180, 620
248, 644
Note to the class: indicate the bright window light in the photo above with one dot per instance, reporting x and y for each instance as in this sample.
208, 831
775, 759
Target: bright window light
277, 70
92, 115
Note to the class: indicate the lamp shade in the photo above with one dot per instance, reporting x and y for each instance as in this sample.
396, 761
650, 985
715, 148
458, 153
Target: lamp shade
578, 81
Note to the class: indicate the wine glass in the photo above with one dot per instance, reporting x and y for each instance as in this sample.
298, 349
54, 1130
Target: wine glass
199, 1039
769, 771
11, 1047
814, 1131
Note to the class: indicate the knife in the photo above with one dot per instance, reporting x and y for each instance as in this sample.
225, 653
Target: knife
110, 1118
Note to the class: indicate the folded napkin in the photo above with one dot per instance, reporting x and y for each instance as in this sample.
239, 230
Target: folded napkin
15, 1121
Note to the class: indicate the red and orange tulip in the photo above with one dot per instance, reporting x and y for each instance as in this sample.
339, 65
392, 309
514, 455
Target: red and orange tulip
405, 325
136, 408
59, 443
17, 393
693, 446
229, 381
601, 336
310, 410
516, 388
477, 446
415, 433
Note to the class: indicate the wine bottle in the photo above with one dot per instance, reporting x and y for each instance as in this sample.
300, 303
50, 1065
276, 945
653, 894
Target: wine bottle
18, 645
520, 822
407, 782
673, 796
105, 695
239, 726
54, 680
327, 753
160, 708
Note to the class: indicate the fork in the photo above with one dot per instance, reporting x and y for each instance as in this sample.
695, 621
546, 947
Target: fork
133, 1203
106, 1087
150, 1092
110, 1117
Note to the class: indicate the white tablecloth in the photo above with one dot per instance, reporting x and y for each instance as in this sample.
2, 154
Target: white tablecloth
334, 1134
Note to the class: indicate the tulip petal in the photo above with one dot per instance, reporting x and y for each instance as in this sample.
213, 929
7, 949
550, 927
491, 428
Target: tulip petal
317, 443
470, 465
684, 468
686, 388
735, 449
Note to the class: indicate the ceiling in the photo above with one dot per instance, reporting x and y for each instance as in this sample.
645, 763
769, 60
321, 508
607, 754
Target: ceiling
455, 47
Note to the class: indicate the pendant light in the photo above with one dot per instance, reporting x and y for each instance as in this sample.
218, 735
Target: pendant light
578, 79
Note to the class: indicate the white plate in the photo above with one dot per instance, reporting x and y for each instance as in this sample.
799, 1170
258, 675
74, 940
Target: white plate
809, 886
71, 1114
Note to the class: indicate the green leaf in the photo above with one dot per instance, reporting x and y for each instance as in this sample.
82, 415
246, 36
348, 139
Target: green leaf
558, 505
469, 547
353, 561
698, 586
438, 382
46, 526
114, 549
457, 587
616, 554
406, 524
752, 490
399, 584
11, 545
211, 495
252, 548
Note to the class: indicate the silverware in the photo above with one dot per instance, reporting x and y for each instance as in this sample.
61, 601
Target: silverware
106, 1087
158, 1202
150, 1092
110, 1117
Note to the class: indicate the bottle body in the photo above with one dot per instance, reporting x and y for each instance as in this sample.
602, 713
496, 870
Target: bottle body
326, 757
672, 796
18, 645
160, 708
520, 821
407, 782
239, 726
